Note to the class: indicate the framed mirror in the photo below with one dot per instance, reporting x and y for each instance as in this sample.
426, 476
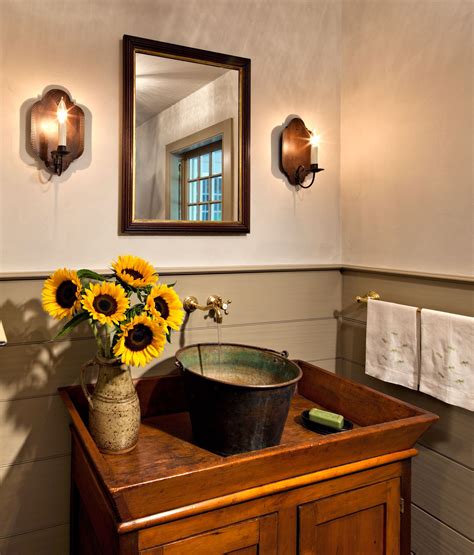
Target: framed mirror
186, 140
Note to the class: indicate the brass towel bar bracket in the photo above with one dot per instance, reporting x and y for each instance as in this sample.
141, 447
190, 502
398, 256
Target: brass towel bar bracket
372, 295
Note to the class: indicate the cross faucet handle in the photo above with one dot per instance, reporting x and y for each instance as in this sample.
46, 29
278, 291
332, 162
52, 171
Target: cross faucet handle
225, 306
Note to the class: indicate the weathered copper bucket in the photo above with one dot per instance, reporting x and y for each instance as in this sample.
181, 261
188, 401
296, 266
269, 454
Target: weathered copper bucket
239, 396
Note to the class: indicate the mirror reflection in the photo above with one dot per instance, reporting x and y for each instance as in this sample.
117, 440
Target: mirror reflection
186, 141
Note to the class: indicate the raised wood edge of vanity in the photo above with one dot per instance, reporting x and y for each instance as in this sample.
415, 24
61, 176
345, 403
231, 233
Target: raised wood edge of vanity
256, 471
262, 491
356, 401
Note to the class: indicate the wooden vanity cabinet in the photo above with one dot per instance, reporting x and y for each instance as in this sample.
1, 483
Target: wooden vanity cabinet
345, 494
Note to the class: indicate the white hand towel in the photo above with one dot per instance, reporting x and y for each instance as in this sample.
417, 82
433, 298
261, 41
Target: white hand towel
392, 347
3, 337
447, 357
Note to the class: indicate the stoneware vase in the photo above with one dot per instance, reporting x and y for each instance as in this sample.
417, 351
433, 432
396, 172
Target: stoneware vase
114, 408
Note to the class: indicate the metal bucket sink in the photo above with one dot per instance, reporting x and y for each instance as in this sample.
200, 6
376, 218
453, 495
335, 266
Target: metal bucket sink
239, 396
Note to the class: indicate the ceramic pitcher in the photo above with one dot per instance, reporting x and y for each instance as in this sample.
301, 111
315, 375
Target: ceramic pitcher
114, 408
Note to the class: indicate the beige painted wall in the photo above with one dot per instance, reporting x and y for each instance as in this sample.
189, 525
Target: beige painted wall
407, 134
73, 220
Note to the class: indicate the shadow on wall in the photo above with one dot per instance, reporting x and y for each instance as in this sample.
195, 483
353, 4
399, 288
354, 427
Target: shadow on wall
34, 461
35, 441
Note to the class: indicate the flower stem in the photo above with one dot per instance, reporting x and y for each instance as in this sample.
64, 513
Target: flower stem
100, 346
108, 344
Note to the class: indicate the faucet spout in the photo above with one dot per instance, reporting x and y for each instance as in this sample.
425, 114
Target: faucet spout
217, 315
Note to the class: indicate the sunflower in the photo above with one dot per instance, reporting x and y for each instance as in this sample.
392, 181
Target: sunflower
134, 271
106, 302
141, 340
164, 302
62, 294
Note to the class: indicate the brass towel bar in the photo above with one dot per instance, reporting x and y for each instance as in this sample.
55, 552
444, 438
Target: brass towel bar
373, 296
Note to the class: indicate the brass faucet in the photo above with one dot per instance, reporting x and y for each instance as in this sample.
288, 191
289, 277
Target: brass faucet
215, 306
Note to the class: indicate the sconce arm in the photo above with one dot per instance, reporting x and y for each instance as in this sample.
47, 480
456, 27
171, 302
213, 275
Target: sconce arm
301, 174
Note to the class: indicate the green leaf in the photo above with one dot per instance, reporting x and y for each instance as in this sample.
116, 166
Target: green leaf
115, 339
172, 284
89, 274
168, 336
134, 310
76, 320
128, 288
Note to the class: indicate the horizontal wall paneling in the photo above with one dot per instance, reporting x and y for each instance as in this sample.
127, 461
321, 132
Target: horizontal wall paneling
282, 310
430, 536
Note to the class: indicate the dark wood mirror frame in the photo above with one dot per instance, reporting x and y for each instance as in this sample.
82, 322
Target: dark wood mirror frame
129, 226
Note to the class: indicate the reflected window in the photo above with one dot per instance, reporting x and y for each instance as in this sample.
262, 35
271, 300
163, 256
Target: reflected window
201, 176
199, 180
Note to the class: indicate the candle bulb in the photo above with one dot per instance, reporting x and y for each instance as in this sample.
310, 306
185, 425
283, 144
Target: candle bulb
314, 148
314, 141
61, 114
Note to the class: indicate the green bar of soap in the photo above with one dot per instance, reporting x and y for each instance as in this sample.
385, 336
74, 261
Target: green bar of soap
326, 418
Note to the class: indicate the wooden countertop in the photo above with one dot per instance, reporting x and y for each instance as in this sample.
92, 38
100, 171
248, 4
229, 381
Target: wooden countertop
166, 449
167, 471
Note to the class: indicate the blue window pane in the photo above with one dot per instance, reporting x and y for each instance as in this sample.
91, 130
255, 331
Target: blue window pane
205, 161
193, 168
193, 213
204, 196
217, 161
216, 188
193, 192
216, 212
204, 215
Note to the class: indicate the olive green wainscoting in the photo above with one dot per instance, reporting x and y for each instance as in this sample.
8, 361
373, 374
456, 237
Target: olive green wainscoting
274, 308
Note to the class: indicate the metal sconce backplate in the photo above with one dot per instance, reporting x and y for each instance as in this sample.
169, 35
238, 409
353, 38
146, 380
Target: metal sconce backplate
295, 149
44, 129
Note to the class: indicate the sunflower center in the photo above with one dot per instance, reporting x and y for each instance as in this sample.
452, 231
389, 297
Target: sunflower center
105, 304
66, 294
134, 273
139, 338
162, 307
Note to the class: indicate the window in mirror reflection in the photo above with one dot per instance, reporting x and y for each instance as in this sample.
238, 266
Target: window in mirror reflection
202, 183
199, 183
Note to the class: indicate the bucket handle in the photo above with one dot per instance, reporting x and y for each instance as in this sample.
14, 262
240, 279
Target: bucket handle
84, 367
284, 354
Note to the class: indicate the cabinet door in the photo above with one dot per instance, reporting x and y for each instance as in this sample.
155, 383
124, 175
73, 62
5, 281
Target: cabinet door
365, 521
251, 537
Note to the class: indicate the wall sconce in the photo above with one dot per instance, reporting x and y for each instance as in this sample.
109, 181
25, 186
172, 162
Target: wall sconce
299, 153
57, 130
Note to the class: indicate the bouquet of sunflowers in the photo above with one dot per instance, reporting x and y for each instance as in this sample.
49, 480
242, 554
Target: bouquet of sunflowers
130, 312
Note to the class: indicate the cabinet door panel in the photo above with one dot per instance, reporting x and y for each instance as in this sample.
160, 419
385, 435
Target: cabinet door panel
252, 537
365, 521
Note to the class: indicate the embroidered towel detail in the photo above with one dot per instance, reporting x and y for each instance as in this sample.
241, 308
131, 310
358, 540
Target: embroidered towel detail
392, 346
447, 357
